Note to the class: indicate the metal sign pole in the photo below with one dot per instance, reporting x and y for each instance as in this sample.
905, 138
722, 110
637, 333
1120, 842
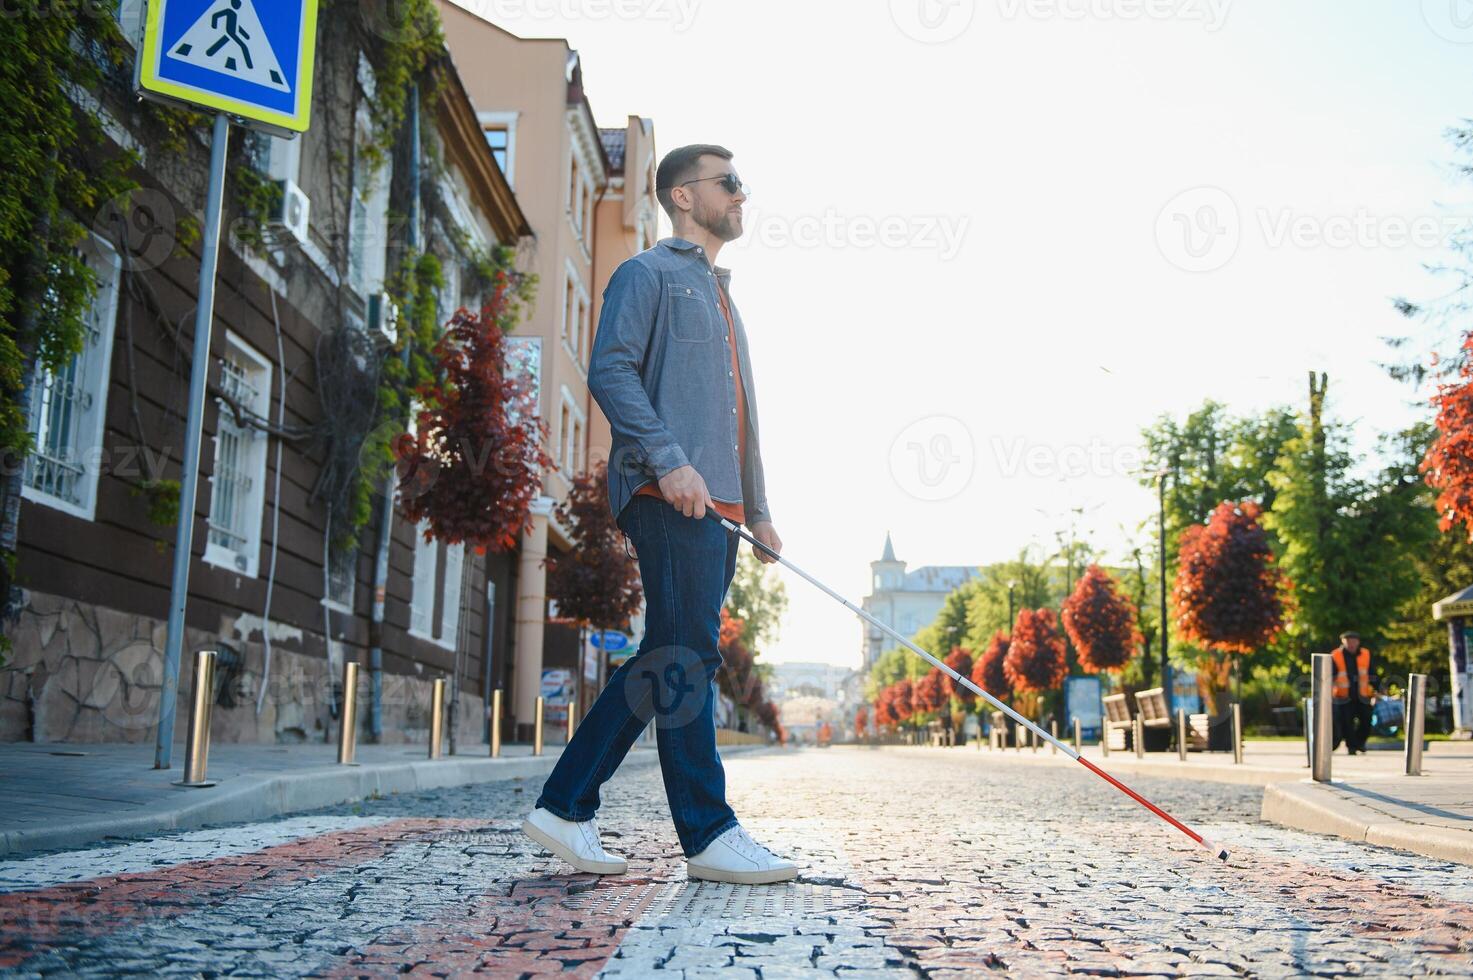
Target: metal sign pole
204, 319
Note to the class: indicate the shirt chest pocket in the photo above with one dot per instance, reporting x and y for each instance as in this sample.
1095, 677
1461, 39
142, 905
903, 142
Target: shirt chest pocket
692, 320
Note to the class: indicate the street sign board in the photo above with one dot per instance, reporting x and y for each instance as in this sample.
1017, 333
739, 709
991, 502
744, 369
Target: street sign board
249, 58
610, 640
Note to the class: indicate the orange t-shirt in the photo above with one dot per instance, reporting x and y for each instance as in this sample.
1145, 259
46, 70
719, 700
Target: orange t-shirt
732, 512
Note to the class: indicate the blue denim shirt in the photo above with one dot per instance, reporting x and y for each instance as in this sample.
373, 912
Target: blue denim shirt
661, 372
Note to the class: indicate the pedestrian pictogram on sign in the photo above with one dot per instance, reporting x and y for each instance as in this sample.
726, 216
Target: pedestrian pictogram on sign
250, 58
229, 38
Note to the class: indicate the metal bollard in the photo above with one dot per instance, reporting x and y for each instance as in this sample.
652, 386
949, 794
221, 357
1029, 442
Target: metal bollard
496, 723
1237, 734
1078, 742
1054, 731
1416, 722
572, 718
1308, 731
537, 728
201, 709
1104, 738
1032, 741
437, 716
1138, 729
1181, 734
1324, 732
348, 729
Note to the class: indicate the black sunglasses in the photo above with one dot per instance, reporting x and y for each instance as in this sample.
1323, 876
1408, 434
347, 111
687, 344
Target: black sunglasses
730, 181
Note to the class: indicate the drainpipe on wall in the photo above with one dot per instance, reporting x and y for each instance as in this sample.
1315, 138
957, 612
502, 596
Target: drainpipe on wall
386, 510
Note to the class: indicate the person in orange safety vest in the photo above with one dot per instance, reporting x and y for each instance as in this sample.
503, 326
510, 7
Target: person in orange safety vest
1354, 690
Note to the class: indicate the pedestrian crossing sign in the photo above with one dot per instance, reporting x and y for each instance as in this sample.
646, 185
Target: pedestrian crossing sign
249, 58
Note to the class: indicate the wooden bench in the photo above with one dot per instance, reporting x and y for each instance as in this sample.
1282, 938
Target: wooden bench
1157, 718
1117, 723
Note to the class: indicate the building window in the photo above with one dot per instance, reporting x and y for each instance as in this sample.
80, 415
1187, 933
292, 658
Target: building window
422, 590
237, 494
575, 319
342, 578
427, 558
449, 298
570, 301
449, 633
571, 427
499, 139
69, 406
367, 235
575, 193
500, 129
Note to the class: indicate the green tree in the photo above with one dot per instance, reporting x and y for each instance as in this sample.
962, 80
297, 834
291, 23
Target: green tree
1348, 544
758, 598
1034, 586
1212, 457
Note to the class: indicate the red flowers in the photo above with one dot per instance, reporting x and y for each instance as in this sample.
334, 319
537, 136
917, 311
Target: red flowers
1101, 622
1035, 660
1229, 594
1448, 465
988, 673
469, 469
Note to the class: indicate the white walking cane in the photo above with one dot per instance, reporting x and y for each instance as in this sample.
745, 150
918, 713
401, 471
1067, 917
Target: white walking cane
1216, 850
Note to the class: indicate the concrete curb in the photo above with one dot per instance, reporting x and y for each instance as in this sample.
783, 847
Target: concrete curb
1323, 809
1122, 764
262, 796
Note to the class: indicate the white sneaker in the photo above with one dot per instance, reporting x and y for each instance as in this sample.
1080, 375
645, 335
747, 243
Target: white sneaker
575, 843
735, 857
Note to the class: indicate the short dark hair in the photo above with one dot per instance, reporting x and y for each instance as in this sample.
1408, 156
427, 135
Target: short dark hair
1350, 635
680, 164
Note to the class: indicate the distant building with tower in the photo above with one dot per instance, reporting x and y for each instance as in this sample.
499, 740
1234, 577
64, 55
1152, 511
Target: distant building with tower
905, 601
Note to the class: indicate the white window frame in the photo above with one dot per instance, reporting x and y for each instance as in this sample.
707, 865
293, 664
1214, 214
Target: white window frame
130, 19
422, 584
92, 373
507, 121
569, 442
283, 157
246, 560
367, 220
448, 296
335, 600
575, 318
450, 609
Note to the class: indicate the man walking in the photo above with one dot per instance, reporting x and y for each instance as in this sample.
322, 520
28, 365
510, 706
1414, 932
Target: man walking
1354, 690
671, 371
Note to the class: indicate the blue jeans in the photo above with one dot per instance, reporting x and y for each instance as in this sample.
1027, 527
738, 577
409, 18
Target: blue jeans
686, 566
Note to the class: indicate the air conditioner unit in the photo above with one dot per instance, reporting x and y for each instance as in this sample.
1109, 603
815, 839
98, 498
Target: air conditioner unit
383, 319
292, 212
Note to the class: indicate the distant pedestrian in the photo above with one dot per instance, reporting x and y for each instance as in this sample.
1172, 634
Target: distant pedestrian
1354, 690
671, 372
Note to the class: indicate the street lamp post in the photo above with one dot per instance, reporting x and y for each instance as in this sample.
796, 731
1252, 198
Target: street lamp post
1011, 586
1166, 686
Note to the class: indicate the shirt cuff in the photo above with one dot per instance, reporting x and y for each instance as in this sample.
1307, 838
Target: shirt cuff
667, 458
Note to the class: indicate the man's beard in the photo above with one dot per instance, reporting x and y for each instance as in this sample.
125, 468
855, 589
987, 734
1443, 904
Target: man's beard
725, 226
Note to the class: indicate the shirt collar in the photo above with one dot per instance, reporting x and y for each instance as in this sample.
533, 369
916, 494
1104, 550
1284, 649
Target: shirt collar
682, 245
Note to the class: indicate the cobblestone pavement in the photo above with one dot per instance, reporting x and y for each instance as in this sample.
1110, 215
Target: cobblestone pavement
916, 863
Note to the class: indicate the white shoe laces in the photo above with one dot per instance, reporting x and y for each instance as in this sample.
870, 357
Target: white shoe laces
744, 845
589, 829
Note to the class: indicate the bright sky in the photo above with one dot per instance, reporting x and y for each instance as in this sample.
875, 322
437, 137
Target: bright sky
989, 240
